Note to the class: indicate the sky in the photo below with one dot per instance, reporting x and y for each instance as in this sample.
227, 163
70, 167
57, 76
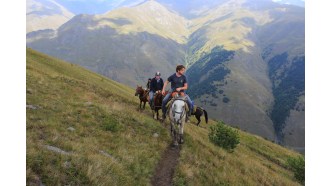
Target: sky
95, 6
102, 6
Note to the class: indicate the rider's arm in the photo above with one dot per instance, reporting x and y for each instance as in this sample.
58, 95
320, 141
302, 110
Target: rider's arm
185, 87
165, 84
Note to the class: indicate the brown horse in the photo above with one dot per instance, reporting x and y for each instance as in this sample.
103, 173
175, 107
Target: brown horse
143, 95
158, 99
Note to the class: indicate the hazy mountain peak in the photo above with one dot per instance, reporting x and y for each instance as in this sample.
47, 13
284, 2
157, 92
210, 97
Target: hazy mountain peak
230, 25
45, 14
150, 16
300, 3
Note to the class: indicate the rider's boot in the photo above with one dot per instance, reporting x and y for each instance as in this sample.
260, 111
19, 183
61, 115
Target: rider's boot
163, 116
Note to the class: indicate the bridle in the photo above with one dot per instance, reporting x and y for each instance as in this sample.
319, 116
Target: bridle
182, 113
140, 93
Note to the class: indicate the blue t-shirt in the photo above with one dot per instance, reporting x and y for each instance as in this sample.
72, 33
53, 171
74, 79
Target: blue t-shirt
176, 81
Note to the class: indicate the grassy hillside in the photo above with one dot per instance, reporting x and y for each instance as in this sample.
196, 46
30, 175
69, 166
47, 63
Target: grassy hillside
105, 140
112, 141
255, 161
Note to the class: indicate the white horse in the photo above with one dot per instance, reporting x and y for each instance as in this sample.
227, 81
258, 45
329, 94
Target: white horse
177, 115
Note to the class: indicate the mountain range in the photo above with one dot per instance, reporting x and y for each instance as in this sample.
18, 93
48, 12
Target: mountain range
245, 58
45, 14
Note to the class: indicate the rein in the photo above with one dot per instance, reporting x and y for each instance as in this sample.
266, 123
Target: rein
141, 95
175, 112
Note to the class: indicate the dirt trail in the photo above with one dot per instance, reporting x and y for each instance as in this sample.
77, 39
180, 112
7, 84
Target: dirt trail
165, 169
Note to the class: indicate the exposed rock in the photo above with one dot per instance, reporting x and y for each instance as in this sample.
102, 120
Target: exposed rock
33, 107
88, 103
155, 135
29, 91
71, 129
67, 164
57, 150
106, 154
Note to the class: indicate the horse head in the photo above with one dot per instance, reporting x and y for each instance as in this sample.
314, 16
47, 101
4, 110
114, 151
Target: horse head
138, 90
178, 111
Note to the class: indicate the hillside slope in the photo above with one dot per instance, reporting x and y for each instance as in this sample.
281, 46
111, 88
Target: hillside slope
84, 129
268, 41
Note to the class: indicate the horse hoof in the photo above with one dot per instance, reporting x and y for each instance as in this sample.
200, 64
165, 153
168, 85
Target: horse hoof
175, 144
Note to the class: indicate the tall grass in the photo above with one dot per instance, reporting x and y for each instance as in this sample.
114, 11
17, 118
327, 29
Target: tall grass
254, 161
108, 141
111, 142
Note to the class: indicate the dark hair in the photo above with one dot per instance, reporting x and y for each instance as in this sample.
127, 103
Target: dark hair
179, 67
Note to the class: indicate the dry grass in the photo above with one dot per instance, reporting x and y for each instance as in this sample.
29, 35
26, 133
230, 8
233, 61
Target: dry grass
113, 144
254, 162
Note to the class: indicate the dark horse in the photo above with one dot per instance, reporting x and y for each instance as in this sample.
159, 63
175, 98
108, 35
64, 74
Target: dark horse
143, 95
199, 113
158, 99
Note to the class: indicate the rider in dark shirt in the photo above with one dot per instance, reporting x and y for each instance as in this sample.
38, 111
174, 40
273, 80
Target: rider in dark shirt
179, 83
156, 84
148, 84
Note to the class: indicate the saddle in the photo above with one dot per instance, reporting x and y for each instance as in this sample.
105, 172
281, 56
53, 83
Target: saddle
158, 92
177, 96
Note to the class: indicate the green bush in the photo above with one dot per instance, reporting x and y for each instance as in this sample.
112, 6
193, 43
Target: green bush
224, 136
297, 165
225, 100
111, 124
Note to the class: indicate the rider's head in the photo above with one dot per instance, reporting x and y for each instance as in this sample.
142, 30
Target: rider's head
180, 69
149, 79
157, 75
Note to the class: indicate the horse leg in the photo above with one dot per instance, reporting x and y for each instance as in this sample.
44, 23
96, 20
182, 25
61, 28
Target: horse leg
154, 114
198, 117
140, 103
144, 105
181, 133
174, 134
172, 130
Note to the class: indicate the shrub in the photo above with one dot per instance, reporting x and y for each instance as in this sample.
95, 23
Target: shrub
213, 104
225, 100
224, 136
297, 165
111, 124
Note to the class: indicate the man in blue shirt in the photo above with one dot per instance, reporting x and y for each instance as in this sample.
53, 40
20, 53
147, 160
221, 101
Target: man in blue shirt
179, 83
156, 84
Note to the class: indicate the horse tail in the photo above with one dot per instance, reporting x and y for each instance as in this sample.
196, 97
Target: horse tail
206, 118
